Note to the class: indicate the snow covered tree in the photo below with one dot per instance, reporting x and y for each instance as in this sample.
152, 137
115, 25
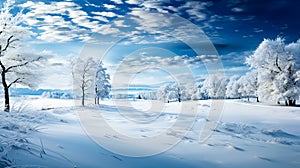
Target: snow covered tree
252, 85
172, 95
232, 87
277, 71
294, 49
214, 86
83, 74
180, 92
194, 91
16, 67
102, 84
148, 95
190, 89
248, 85
159, 94
171, 92
163, 91
152, 94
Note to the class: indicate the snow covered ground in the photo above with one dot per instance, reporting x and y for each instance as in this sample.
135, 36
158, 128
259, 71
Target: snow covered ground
41, 132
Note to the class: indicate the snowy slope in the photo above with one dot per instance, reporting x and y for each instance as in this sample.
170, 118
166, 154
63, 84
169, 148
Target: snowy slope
48, 133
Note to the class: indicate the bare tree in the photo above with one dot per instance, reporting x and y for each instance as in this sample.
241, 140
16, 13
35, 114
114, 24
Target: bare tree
16, 68
83, 73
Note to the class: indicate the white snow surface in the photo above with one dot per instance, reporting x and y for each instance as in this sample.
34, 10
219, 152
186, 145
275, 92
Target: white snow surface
43, 132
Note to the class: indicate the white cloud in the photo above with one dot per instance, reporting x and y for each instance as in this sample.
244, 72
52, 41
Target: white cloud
27, 4
236, 9
175, 67
106, 29
120, 23
108, 6
196, 9
153, 4
143, 60
172, 8
54, 27
195, 14
133, 2
117, 1
257, 30
106, 14
86, 38
206, 58
143, 54
149, 21
162, 28
60, 15
91, 4
101, 18
247, 36
66, 21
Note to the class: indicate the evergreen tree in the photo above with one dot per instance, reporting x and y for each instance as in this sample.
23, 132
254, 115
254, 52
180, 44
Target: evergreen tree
102, 84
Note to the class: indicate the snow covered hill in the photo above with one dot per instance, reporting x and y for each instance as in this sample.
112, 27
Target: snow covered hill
48, 133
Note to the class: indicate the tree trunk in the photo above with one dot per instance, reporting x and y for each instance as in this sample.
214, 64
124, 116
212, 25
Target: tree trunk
290, 102
96, 100
6, 92
294, 102
6, 102
82, 100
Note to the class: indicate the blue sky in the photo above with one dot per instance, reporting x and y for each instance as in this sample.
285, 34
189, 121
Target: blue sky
174, 35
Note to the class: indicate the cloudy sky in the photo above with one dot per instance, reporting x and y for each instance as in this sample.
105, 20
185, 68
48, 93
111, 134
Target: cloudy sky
146, 42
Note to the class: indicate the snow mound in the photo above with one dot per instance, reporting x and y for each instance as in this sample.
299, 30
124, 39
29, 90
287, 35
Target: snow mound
278, 133
250, 132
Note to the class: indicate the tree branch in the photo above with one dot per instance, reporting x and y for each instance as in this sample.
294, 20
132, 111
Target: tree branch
3, 28
276, 63
2, 66
264, 67
8, 42
13, 82
23, 64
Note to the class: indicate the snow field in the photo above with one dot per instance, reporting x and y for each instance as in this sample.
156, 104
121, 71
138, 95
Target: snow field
50, 134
